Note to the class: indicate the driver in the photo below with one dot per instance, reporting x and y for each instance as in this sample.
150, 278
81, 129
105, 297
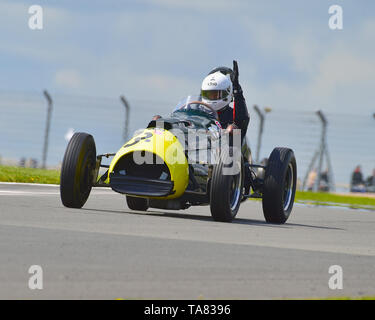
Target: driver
219, 89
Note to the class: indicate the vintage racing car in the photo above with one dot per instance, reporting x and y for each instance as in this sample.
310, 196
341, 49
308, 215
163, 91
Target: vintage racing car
183, 160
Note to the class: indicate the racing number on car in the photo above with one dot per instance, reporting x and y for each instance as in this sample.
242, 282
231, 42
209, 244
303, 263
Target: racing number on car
136, 140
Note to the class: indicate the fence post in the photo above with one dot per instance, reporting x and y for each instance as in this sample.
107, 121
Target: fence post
260, 131
48, 123
322, 146
127, 114
320, 153
310, 167
262, 117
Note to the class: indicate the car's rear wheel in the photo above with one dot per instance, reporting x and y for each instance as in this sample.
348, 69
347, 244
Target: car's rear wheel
77, 170
279, 186
139, 204
227, 186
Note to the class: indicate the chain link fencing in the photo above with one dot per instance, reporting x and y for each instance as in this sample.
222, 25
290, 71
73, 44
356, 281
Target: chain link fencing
350, 138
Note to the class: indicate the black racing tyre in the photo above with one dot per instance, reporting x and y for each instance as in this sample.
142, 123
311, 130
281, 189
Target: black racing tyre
226, 189
139, 204
77, 170
279, 187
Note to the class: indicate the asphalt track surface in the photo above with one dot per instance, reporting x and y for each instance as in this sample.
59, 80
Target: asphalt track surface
106, 251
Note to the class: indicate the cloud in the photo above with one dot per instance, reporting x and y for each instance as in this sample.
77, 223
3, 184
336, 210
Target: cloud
54, 44
68, 79
287, 54
208, 6
313, 68
165, 82
344, 69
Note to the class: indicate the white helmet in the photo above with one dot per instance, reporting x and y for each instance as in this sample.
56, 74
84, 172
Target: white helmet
217, 90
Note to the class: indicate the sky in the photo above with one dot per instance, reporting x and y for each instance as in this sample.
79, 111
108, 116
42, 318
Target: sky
162, 49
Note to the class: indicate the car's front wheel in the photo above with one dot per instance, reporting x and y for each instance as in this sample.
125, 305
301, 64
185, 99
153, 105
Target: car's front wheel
279, 186
227, 186
77, 170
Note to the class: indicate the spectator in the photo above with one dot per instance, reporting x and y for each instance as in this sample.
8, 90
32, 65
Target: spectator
22, 162
33, 163
357, 184
324, 185
311, 180
370, 182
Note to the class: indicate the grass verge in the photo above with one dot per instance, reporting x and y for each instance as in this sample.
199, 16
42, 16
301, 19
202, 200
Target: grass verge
346, 298
321, 198
29, 175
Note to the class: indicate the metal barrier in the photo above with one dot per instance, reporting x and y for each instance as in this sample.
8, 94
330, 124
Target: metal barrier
23, 131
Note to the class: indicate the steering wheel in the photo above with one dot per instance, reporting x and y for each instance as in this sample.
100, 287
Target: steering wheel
202, 103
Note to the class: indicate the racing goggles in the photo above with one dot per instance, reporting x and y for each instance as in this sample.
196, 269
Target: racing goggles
214, 94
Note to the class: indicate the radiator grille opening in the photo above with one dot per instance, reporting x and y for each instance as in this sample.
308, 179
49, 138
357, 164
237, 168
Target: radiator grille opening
154, 168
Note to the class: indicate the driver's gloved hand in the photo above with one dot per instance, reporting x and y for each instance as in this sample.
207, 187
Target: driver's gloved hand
236, 85
231, 127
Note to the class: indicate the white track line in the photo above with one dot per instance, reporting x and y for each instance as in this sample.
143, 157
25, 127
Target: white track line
41, 193
25, 193
11, 192
29, 184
